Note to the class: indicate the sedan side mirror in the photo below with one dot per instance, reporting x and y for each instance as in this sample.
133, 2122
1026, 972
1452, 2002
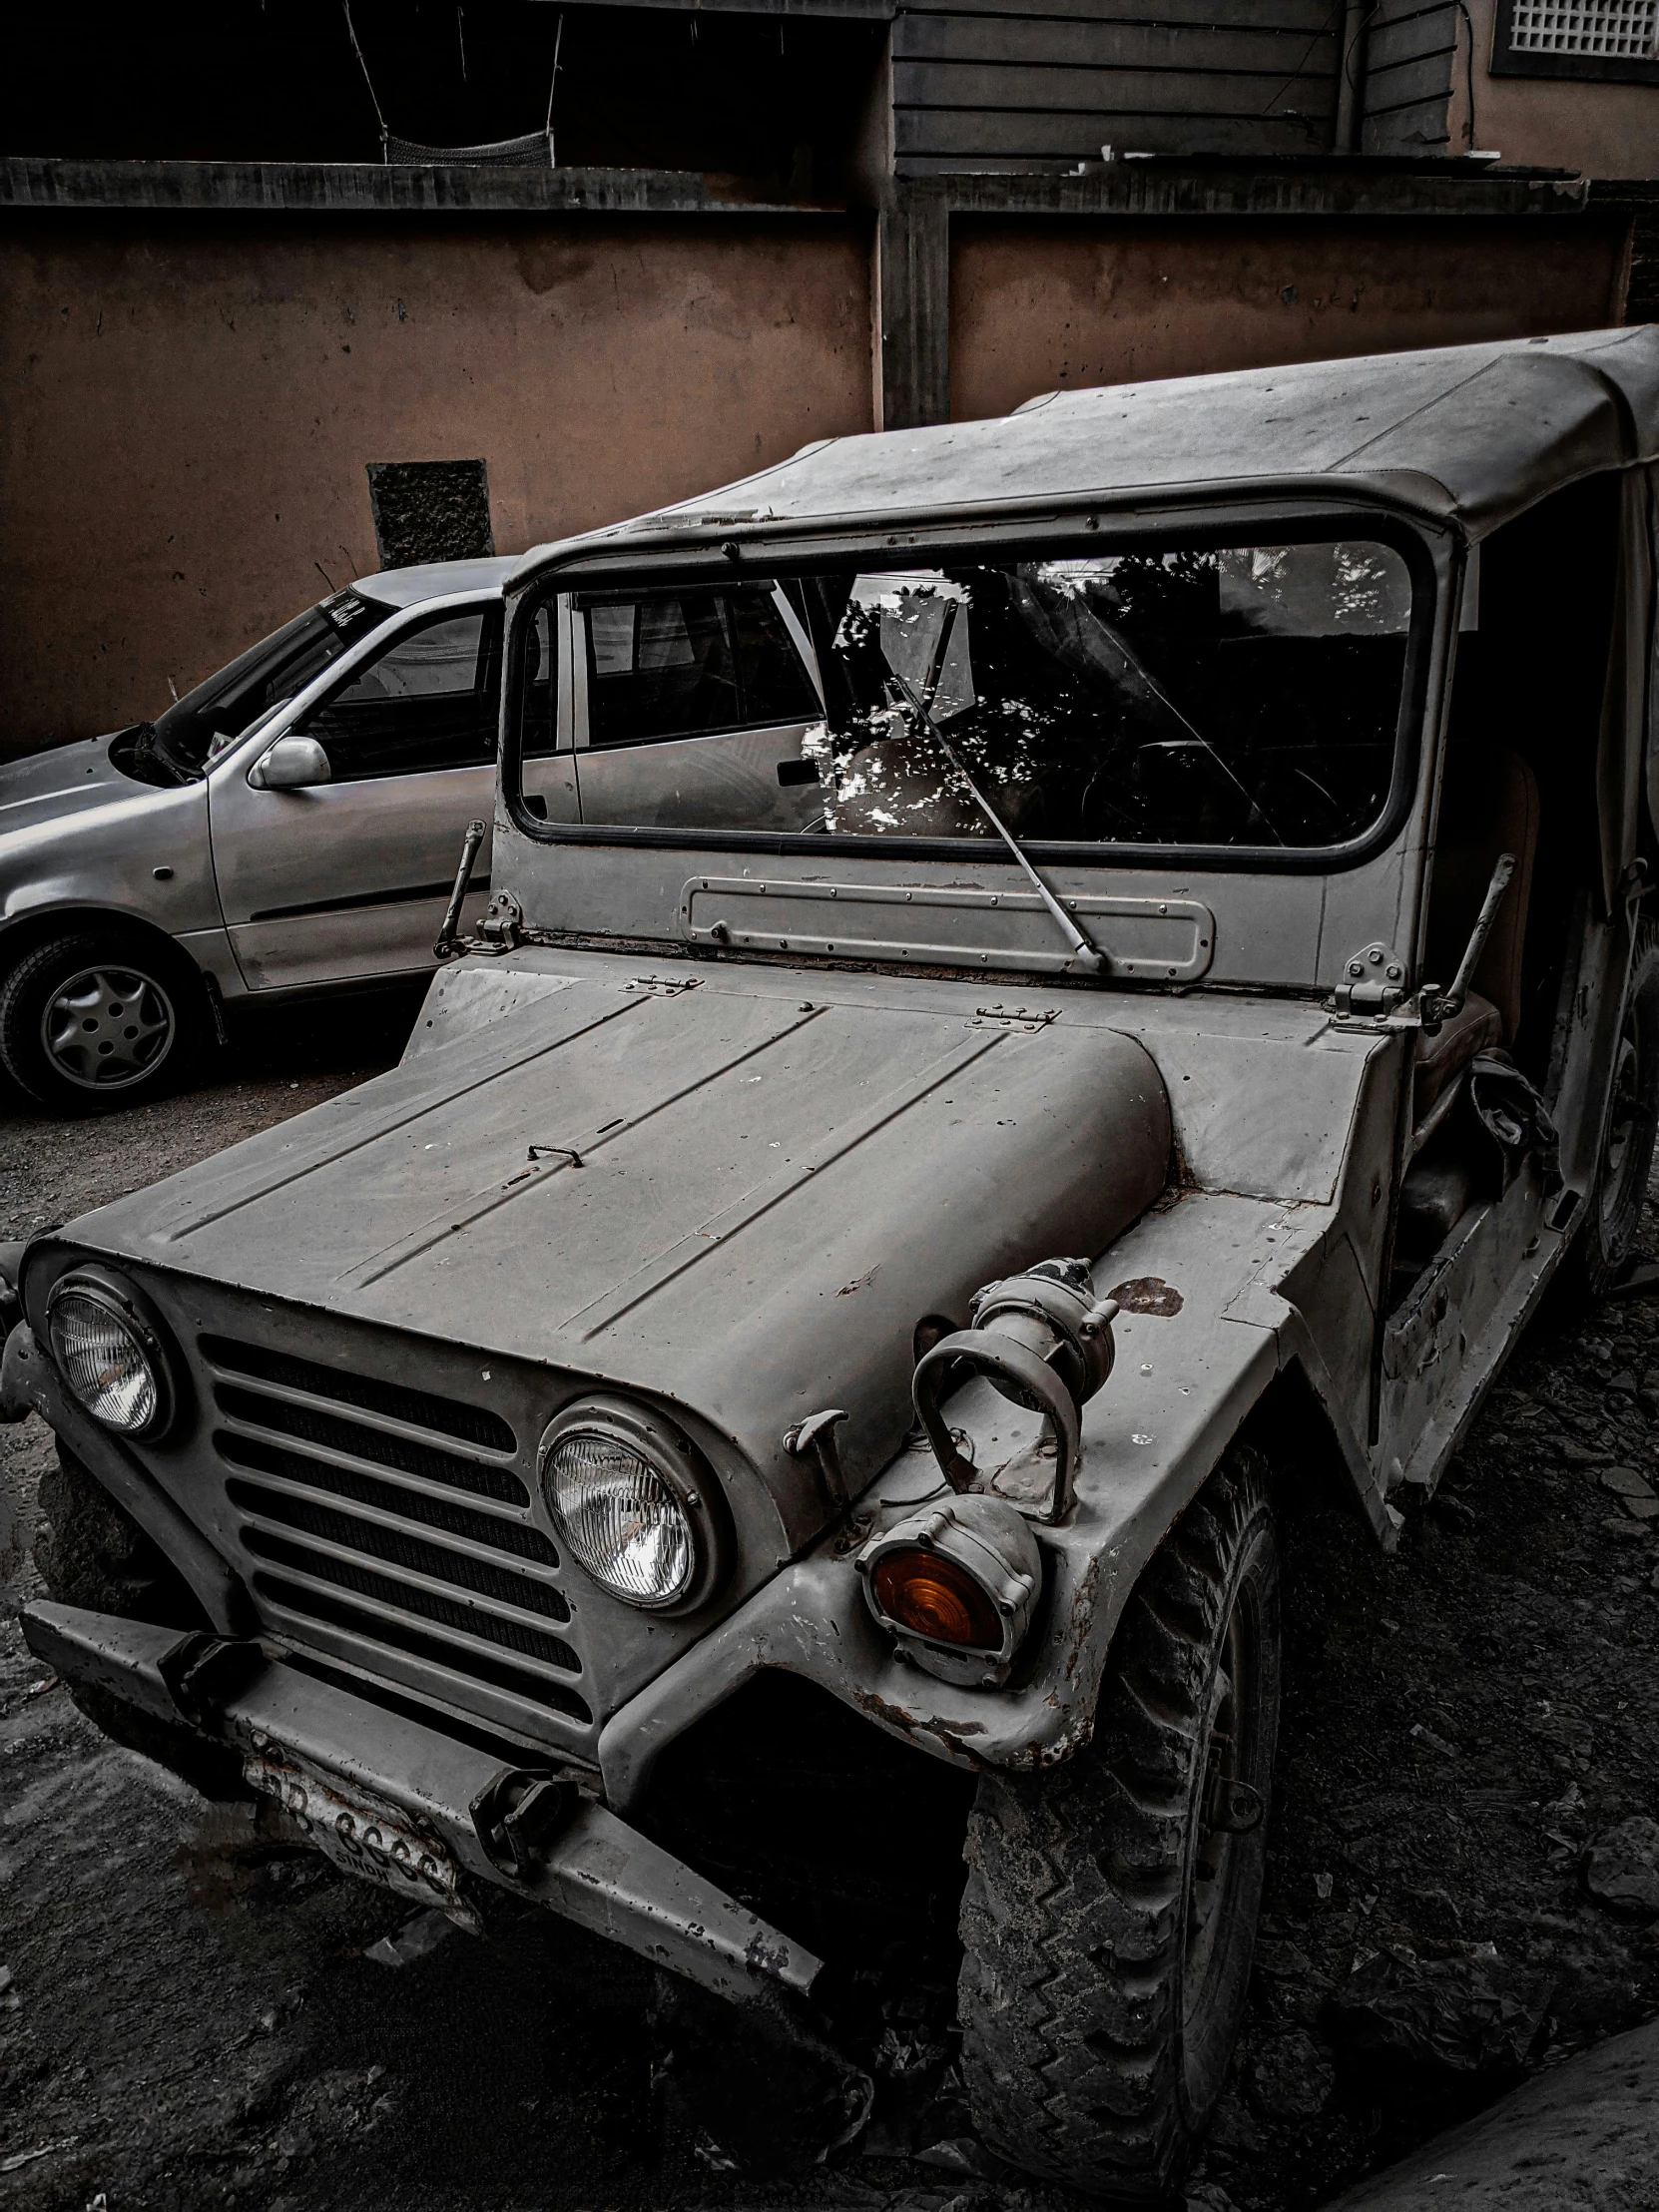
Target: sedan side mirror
291, 765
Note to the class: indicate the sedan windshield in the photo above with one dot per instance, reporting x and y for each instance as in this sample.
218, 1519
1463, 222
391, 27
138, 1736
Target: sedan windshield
187, 738
1247, 696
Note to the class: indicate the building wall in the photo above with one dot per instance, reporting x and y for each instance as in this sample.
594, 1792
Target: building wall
1605, 129
1044, 84
190, 401
1038, 306
1410, 50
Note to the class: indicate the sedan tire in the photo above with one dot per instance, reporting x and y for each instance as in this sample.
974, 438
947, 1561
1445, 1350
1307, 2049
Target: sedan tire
99, 1019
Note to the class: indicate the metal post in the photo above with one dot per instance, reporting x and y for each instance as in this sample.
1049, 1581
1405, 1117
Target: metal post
912, 305
1351, 77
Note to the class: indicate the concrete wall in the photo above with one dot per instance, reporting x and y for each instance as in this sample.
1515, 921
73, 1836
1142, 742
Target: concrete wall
1605, 129
189, 398
1037, 306
189, 404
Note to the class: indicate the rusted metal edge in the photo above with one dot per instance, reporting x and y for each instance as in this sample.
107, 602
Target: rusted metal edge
368, 188
1265, 188
594, 1869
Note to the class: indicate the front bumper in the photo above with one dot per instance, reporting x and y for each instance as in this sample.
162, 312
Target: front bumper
593, 1869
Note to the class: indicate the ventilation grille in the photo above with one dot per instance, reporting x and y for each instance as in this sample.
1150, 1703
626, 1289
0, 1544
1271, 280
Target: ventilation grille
389, 1527
473, 1423
396, 1451
1614, 30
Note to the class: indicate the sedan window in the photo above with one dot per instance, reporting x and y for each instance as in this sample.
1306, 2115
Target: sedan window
677, 665
428, 702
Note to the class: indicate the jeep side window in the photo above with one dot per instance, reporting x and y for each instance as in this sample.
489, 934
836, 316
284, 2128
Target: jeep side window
688, 663
426, 703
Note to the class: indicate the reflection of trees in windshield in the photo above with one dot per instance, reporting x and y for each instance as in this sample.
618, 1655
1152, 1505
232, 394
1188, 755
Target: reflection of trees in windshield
1247, 696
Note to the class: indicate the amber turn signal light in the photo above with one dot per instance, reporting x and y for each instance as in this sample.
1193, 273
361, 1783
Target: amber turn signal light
936, 1599
955, 1584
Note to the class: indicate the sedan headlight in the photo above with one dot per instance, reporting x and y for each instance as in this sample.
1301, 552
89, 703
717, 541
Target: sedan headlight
632, 1503
108, 1356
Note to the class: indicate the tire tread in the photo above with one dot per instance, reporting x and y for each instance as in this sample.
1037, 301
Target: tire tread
1072, 1919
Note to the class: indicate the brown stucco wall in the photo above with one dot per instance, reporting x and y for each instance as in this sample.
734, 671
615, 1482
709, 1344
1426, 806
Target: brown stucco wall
190, 402
1602, 129
1035, 306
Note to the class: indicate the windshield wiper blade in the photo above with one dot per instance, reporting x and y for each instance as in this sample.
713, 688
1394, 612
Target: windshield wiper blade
1088, 957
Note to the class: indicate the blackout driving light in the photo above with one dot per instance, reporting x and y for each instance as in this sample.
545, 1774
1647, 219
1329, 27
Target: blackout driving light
955, 1585
632, 1503
1042, 1339
108, 1356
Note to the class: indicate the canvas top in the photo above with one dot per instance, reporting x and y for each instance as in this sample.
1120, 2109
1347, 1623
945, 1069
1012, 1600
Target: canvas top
1469, 433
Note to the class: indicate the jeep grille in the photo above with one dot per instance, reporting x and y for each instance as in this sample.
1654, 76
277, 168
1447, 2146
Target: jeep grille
382, 1523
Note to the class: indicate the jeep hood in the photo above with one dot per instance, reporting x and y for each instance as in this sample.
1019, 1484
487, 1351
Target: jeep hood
713, 1192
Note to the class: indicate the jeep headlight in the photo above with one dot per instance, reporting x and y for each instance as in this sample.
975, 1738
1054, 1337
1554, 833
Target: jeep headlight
632, 1503
108, 1356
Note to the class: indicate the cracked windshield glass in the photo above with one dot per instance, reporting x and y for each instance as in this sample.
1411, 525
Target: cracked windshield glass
1247, 696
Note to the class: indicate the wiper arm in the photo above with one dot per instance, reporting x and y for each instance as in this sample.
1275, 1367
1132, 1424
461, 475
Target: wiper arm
1088, 955
144, 744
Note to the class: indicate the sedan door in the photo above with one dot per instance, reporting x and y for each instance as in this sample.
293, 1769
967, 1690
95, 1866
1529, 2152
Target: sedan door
693, 708
348, 878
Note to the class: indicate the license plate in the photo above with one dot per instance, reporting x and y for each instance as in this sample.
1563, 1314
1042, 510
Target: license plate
362, 1837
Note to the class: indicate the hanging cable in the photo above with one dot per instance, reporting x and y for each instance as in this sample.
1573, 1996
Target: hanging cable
1323, 31
530, 151
352, 34
1468, 71
553, 84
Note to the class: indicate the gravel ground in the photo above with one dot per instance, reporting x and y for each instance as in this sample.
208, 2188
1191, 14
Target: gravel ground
193, 2020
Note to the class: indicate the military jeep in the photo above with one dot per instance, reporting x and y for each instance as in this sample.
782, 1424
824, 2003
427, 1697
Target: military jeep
1029, 962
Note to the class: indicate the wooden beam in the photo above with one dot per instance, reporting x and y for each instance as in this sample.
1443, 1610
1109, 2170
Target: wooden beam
911, 296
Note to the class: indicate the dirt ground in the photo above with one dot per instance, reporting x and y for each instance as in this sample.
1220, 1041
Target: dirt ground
190, 2020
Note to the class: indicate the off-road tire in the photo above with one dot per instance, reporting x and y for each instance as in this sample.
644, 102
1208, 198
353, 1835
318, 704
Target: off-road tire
90, 1554
1613, 1208
41, 973
1099, 2002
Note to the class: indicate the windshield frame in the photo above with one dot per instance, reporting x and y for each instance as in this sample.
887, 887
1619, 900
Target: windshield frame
1076, 535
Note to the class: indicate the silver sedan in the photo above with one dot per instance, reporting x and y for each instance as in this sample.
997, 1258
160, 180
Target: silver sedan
292, 824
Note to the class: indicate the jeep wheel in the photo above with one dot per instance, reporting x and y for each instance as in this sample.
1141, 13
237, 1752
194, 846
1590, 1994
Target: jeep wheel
90, 1554
1110, 1908
100, 1019
1613, 1209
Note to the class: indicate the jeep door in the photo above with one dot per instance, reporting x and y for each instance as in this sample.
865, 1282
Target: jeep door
692, 708
1544, 730
348, 878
